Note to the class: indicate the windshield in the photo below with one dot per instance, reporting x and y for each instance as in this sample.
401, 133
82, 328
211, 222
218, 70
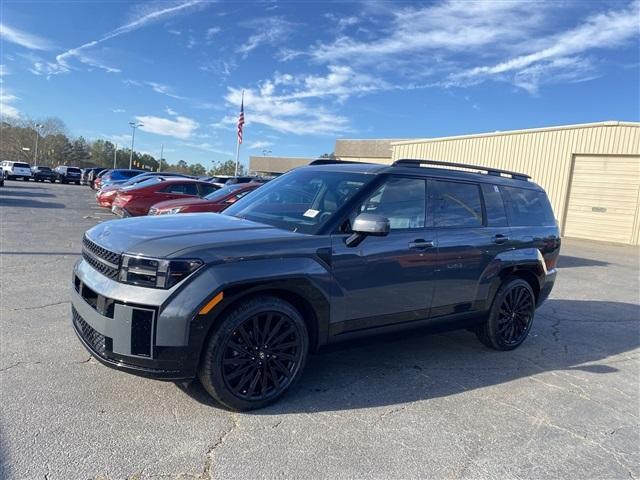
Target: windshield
44, 169
301, 201
73, 170
21, 165
223, 192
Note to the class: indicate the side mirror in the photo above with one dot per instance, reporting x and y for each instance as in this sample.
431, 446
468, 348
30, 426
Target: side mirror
367, 224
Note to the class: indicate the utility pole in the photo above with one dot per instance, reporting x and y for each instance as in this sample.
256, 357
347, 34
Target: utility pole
115, 153
134, 125
35, 154
161, 153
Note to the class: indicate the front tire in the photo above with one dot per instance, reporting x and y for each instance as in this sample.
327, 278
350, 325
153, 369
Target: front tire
510, 317
255, 354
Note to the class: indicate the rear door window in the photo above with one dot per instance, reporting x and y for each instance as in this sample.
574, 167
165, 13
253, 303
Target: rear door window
527, 207
182, 189
457, 204
207, 189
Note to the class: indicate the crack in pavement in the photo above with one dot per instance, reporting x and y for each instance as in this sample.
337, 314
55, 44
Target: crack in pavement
37, 307
207, 470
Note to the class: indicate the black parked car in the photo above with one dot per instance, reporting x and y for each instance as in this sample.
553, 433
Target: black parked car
323, 253
40, 174
65, 174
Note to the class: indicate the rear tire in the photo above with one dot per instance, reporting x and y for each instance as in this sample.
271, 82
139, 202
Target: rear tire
255, 354
510, 317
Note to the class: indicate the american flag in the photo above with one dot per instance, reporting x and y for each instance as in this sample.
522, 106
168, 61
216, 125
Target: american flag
241, 120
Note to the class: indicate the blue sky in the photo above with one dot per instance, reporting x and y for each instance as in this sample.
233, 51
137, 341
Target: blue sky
315, 71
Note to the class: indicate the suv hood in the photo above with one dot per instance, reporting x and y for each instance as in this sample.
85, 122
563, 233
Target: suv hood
162, 236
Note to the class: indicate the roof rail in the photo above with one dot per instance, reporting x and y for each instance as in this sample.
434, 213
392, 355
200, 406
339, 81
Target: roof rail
332, 161
405, 162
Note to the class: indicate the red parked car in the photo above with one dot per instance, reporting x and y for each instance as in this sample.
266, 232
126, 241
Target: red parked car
136, 200
214, 202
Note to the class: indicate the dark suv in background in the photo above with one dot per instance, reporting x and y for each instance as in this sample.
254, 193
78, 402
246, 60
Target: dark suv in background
323, 253
40, 174
66, 174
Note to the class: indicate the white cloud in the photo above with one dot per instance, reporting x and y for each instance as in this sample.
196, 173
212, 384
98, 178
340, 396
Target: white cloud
181, 127
302, 104
227, 122
170, 111
223, 68
121, 140
143, 19
207, 147
163, 89
174, 32
461, 43
559, 59
268, 31
260, 144
118, 110
286, 110
24, 39
212, 32
7, 110
453, 25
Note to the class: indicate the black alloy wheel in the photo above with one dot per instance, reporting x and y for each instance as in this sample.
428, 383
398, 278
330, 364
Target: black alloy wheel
255, 353
515, 314
261, 356
510, 317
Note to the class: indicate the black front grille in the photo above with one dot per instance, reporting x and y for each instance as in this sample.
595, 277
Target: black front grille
96, 340
94, 253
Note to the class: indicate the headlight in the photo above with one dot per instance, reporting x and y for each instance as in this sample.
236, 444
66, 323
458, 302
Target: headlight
155, 273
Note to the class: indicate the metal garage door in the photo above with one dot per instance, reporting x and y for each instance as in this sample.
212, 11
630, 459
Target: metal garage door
603, 199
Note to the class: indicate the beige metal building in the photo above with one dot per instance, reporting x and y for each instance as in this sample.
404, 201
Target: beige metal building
590, 171
275, 165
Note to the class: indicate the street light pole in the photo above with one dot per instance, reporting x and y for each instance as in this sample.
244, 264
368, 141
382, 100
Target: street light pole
161, 153
115, 153
134, 125
35, 154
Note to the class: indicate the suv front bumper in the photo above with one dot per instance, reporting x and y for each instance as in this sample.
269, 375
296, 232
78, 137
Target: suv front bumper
142, 331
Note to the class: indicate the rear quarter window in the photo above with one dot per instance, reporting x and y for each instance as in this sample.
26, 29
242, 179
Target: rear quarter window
527, 207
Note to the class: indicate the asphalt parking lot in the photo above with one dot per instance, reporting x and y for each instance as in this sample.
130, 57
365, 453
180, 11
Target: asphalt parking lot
564, 405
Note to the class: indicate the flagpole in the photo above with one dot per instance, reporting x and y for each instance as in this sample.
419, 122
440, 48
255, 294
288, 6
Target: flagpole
238, 139
237, 155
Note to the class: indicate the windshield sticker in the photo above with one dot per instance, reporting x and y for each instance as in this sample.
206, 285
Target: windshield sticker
311, 213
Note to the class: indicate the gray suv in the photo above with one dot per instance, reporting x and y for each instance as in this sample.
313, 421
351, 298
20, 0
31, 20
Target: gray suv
322, 254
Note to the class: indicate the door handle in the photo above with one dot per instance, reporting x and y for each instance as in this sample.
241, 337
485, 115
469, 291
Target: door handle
500, 239
421, 244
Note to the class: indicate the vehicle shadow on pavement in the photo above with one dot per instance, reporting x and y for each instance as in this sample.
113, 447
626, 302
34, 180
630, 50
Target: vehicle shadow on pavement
17, 184
566, 261
418, 365
24, 193
28, 203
